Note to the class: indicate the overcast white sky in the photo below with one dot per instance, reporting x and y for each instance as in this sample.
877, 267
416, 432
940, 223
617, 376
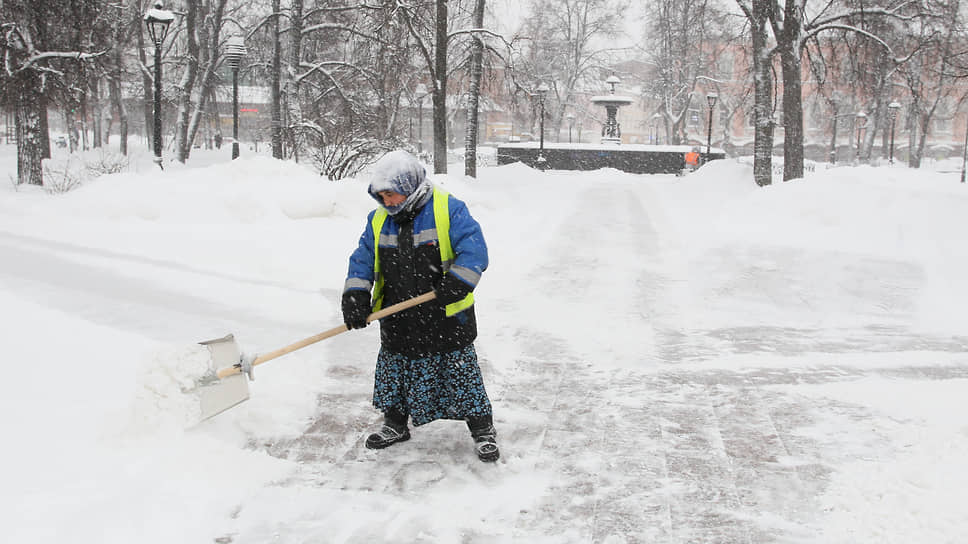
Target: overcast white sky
510, 12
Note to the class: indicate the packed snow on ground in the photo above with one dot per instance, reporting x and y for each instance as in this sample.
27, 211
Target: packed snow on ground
830, 308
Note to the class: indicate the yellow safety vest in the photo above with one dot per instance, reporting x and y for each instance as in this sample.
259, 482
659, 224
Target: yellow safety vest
442, 219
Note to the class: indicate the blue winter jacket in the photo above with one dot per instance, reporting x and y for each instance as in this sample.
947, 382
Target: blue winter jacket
411, 265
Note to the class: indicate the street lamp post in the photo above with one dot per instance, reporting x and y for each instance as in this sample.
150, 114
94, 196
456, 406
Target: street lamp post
421, 94
656, 117
711, 101
234, 51
542, 92
157, 20
571, 122
892, 110
861, 124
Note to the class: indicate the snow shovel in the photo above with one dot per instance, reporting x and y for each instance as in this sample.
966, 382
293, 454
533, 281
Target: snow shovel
228, 386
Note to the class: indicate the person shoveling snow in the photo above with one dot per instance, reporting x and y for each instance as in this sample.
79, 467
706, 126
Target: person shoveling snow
421, 238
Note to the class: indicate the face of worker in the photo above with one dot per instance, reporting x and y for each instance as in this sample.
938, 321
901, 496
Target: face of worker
392, 198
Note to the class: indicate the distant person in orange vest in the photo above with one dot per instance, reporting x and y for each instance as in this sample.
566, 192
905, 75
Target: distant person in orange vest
692, 159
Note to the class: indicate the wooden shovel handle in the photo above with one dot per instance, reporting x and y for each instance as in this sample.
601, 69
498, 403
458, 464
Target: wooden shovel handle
389, 310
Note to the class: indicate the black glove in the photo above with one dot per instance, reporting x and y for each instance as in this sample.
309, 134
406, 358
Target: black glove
451, 290
356, 308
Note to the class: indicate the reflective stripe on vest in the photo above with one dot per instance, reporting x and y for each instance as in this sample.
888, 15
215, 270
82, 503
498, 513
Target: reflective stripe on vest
442, 220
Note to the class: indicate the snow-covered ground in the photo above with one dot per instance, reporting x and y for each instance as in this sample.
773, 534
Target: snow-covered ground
671, 359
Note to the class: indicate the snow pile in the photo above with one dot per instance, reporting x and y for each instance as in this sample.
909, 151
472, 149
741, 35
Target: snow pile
597, 280
167, 384
245, 191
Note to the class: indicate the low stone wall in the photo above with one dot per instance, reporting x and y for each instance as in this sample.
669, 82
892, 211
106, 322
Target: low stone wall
635, 159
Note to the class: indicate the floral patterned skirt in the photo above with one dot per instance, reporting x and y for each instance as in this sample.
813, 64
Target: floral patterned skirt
441, 386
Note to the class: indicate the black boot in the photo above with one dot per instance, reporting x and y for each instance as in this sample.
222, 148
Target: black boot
394, 430
485, 438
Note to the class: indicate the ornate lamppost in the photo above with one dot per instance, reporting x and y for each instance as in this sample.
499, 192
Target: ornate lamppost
656, 117
861, 121
571, 122
542, 91
157, 20
421, 92
234, 51
892, 109
711, 101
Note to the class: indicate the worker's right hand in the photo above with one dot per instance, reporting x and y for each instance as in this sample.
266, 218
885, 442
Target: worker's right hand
356, 308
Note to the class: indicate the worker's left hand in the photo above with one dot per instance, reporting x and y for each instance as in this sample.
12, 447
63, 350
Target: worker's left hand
451, 290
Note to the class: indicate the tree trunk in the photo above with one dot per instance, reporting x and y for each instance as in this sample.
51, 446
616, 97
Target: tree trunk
294, 115
440, 90
792, 112
83, 123
182, 143
216, 117
276, 105
914, 151
763, 96
918, 154
474, 95
96, 114
114, 92
211, 54
146, 81
70, 122
833, 134
30, 153
44, 128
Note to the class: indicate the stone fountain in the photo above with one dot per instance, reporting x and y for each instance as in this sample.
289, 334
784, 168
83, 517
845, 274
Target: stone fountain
632, 158
612, 131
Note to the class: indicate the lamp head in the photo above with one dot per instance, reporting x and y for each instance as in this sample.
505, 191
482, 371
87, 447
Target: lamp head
892, 109
234, 51
157, 20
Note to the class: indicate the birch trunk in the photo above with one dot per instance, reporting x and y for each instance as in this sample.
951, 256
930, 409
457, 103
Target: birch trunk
763, 95
211, 55
182, 142
474, 95
293, 105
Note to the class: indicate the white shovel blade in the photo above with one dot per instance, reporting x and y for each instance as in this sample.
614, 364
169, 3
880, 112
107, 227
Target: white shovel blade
222, 394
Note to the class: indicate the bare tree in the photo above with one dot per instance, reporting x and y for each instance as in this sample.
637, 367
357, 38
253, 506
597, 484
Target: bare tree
931, 74
34, 63
680, 54
793, 26
570, 46
187, 81
210, 45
